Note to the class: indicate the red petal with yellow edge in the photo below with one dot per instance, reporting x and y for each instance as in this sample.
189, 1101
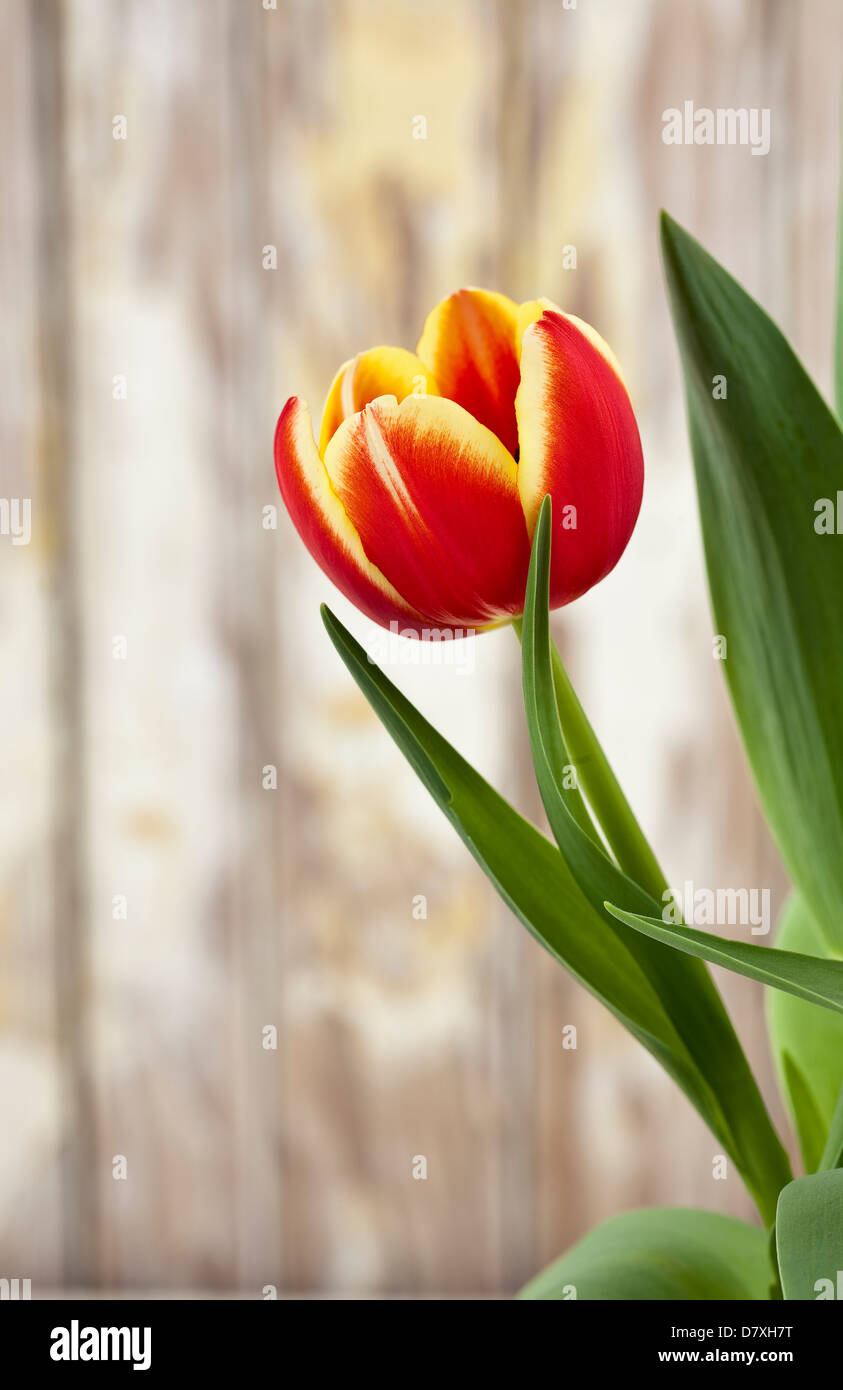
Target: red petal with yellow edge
320, 520
579, 442
382, 371
470, 342
433, 496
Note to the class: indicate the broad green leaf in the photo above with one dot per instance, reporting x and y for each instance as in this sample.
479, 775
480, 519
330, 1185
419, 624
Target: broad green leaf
534, 880
764, 455
807, 1041
818, 981
809, 1236
684, 986
661, 1253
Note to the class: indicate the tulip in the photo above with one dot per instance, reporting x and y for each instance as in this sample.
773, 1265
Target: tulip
421, 498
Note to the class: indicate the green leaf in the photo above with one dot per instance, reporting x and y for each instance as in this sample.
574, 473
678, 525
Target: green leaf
524, 866
810, 1129
545, 677
809, 1236
832, 1155
596, 874
819, 981
534, 880
807, 1041
684, 986
661, 1253
763, 457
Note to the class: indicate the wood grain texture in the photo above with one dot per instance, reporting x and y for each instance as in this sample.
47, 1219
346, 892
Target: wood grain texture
161, 645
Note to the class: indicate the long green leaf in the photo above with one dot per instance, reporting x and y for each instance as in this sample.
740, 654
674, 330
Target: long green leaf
810, 1129
683, 984
524, 866
534, 880
809, 1236
818, 981
807, 1041
764, 455
832, 1155
658, 1254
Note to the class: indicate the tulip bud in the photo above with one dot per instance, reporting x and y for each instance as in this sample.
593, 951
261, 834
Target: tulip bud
421, 499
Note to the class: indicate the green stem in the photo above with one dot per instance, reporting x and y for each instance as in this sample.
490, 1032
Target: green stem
611, 808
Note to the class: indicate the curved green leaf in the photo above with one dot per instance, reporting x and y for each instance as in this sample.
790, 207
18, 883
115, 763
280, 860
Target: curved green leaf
661, 1253
809, 1237
807, 1041
570, 725
690, 999
818, 981
764, 456
534, 880
527, 870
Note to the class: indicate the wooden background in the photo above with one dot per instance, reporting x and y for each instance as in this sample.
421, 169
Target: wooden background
142, 776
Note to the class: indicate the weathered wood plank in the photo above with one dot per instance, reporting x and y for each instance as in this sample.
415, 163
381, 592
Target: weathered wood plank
398, 1036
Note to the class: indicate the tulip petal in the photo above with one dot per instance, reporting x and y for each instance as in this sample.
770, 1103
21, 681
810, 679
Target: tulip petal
382, 371
534, 309
470, 342
530, 312
579, 442
318, 516
433, 496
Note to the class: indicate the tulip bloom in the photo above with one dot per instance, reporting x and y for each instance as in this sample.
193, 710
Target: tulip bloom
421, 498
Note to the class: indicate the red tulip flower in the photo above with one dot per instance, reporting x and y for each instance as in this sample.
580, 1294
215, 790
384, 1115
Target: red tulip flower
421, 498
